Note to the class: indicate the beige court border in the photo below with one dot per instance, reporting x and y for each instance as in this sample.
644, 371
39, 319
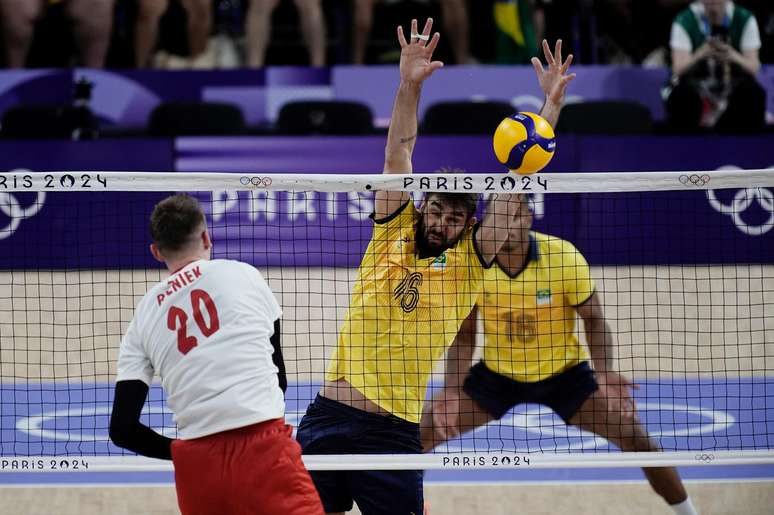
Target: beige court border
711, 498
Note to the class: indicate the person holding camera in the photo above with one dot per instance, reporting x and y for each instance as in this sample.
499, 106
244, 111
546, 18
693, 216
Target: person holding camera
715, 46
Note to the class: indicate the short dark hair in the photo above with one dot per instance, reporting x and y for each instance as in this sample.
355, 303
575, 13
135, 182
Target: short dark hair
174, 220
468, 201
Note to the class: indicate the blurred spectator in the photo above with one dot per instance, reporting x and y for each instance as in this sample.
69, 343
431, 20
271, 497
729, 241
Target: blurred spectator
715, 46
629, 31
764, 10
454, 14
258, 29
146, 31
520, 25
92, 21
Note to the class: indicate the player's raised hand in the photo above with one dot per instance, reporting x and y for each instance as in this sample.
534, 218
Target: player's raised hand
416, 55
618, 391
553, 79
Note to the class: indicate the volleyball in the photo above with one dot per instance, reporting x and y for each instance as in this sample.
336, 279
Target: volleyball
524, 143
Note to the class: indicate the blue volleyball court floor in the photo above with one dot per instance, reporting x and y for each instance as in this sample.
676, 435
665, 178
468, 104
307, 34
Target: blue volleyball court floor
71, 419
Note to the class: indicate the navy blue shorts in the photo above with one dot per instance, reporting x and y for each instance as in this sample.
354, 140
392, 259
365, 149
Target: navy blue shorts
330, 427
564, 393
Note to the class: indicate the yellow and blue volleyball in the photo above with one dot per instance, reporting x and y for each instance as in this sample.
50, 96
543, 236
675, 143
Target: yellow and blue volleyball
524, 143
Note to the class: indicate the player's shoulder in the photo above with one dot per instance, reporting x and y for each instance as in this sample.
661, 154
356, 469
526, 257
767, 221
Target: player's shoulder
232, 265
549, 242
239, 269
554, 247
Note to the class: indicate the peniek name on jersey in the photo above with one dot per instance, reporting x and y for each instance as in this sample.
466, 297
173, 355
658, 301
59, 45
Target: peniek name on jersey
178, 282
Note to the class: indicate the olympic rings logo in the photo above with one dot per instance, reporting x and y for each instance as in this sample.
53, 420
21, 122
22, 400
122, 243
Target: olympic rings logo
258, 182
742, 200
11, 208
695, 179
705, 457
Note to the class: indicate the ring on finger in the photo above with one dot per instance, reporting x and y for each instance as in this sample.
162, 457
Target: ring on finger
421, 36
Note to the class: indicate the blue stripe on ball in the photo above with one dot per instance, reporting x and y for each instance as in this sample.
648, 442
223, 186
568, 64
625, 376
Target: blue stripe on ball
547, 144
516, 155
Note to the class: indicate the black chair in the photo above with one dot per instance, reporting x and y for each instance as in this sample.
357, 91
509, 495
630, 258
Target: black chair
325, 117
605, 117
172, 119
465, 117
49, 122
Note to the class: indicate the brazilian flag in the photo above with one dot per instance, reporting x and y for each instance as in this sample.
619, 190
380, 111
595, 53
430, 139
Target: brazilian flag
515, 31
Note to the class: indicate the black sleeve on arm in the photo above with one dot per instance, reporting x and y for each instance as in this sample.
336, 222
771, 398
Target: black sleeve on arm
279, 362
125, 428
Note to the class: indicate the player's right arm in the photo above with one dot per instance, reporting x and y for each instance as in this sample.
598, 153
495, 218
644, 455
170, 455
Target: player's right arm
416, 66
504, 213
127, 431
135, 373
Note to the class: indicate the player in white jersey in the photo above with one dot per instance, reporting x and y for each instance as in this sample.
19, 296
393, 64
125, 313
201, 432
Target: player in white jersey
211, 332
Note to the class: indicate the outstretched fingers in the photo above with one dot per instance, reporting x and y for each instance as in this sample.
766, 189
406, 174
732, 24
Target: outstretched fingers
538, 66
547, 53
558, 52
433, 43
401, 37
566, 79
426, 32
566, 64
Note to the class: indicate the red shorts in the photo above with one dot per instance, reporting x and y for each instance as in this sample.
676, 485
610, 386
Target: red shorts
255, 469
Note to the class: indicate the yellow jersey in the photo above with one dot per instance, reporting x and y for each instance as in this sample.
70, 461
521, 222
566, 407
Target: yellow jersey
404, 313
529, 318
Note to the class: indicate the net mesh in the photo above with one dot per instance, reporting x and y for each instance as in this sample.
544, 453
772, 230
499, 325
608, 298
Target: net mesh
682, 263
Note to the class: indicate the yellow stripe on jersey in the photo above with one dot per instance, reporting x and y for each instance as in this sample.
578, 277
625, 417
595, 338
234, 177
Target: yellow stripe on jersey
529, 319
404, 313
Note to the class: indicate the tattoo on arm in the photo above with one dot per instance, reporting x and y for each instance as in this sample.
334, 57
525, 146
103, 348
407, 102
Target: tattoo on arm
410, 138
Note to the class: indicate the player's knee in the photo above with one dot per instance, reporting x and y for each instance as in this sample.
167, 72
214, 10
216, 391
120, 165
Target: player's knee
630, 435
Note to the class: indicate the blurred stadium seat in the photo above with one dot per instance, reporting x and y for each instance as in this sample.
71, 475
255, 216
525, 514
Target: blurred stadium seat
196, 119
465, 117
605, 117
48, 122
325, 117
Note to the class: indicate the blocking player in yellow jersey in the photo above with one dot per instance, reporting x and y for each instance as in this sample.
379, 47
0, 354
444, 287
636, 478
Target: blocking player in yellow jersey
419, 278
531, 296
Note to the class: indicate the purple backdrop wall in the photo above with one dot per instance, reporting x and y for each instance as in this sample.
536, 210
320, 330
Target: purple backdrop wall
110, 230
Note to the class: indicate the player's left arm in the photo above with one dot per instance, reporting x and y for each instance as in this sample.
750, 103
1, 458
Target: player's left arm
127, 431
615, 387
553, 80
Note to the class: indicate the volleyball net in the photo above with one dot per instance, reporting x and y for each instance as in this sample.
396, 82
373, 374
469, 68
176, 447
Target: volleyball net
683, 263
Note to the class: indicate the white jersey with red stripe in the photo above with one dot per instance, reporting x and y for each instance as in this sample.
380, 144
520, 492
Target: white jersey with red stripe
205, 330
